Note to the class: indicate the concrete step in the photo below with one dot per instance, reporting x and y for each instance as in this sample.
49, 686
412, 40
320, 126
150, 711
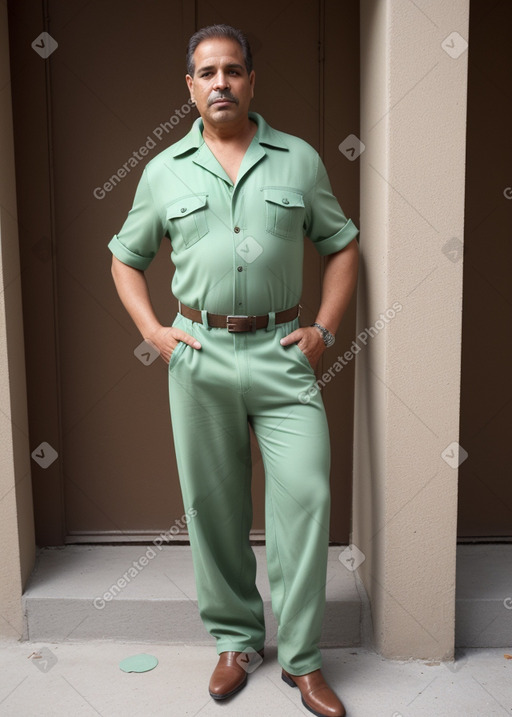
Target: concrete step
484, 596
65, 598
68, 596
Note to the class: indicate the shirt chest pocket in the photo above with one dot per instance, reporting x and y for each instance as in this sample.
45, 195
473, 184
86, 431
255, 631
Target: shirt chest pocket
284, 212
186, 219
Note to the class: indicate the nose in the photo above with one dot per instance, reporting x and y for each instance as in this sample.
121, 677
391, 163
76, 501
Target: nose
221, 81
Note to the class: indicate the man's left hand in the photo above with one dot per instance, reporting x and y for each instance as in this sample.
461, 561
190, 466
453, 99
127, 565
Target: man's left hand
310, 342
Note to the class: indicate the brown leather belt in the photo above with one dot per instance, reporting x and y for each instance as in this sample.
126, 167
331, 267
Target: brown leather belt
237, 323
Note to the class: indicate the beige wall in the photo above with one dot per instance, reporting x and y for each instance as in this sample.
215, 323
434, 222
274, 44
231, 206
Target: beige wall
16, 517
407, 378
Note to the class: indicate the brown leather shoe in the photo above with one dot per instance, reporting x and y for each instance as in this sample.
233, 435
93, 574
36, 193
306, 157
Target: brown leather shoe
317, 696
230, 675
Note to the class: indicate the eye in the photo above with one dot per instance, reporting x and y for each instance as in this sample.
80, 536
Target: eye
205, 74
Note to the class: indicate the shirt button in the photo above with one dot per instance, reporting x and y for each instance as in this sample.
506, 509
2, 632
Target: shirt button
240, 268
237, 230
286, 201
183, 210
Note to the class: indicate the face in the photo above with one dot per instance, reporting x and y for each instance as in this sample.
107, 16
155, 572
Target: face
220, 87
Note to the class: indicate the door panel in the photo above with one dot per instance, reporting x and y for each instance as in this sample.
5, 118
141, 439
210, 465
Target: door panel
111, 87
485, 488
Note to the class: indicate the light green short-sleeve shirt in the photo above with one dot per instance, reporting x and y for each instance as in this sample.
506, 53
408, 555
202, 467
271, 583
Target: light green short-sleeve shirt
237, 248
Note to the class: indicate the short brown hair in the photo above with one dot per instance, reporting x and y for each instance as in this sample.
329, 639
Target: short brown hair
212, 31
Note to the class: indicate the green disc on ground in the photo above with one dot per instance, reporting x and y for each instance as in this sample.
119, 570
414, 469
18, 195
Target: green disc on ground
138, 663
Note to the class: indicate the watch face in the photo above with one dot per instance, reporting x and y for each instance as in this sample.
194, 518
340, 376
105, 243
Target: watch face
329, 340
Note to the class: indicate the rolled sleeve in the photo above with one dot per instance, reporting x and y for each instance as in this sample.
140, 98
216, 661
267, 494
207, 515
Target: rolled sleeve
339, 241
328, 228
141, 234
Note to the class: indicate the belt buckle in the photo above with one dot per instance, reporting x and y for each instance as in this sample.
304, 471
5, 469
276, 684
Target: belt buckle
234, 324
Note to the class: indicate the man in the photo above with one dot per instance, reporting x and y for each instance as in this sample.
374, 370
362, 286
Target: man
236, 199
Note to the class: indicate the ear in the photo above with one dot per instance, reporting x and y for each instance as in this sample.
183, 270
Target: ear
190, 83
252, 80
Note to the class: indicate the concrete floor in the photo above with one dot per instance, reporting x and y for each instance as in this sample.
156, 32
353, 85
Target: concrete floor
84, 679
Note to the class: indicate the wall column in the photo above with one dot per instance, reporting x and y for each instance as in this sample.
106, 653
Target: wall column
413, 119
16, 511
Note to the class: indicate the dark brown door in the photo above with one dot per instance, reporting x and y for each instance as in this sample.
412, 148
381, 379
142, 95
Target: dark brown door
485, 485
87, 118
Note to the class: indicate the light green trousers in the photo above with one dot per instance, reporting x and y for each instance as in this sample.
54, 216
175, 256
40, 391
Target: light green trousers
234, 380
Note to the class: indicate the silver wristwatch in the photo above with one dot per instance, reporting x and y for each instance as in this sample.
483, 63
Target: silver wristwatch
328, 338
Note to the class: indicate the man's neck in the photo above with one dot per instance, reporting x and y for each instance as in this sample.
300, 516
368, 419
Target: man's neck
240, 132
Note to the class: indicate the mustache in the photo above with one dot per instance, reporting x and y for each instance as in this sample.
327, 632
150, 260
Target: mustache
221, 96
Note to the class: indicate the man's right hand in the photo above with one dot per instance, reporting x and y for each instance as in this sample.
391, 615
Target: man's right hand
133, 291
166, 338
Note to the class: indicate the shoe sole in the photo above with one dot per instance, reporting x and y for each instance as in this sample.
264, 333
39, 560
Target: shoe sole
290, 682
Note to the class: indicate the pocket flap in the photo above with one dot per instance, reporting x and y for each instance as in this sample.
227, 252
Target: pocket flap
284, 197
185, 205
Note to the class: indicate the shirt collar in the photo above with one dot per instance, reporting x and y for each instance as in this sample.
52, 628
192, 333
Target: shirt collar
194, 139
